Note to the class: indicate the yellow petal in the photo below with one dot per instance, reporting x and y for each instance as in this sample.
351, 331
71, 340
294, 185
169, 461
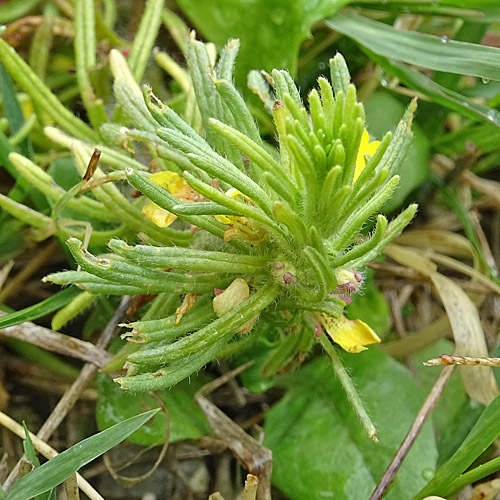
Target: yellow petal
231, 219
158, 215
225, 219
365, 148
352, 336
173, 183
170, 181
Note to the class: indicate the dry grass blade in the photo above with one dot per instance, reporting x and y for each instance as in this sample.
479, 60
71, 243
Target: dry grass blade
216, 496
463, 315
419, 340
71, 488
447, 359
469, 338
57, 342
73, 393
31, 267
486, 491
251, 485
4, 272
441, 241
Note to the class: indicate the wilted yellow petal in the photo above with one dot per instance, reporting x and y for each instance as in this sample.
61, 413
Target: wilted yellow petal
351, 335
173, 183
187, 304
158, 215
234, 295
365, 148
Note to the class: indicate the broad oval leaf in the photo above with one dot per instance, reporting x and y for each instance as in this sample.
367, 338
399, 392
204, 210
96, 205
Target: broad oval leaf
270, 31
186, 419
315, 420
57, 470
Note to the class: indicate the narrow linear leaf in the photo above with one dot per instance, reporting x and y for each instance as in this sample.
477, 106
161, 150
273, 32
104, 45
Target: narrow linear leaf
56, 301
486, 430
437, 93
13, 111
41, 94
426, 51
57, 470
14, 9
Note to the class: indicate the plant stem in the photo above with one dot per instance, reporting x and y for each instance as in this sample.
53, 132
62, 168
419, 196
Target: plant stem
348, 385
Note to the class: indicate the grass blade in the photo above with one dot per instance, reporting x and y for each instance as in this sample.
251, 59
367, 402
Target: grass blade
15, 9
426, 51
30, 452
486, 430
57, 470
437, 93
47, 306
13, 111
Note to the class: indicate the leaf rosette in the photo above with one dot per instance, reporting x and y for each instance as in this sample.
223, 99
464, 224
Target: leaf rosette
235, 234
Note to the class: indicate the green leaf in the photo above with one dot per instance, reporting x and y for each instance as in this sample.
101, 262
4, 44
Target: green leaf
426, 51
56, 301
486, 430
13, 111
469, 12
270, 31
315, 420
145, 37
57, 470
437, 93
14, 9
30, 452
41, 95
186, 418
29, 449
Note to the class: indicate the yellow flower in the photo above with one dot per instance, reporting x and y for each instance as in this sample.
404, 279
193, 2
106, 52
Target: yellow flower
240, 227
365, 148
352, 336
171, 182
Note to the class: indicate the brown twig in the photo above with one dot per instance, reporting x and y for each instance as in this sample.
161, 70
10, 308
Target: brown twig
414, 431
29, 269
73, 393
57, 342
256, 457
